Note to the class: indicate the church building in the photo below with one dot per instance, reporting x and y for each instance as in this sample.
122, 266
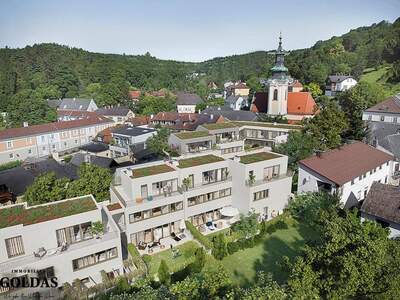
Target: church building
282, 96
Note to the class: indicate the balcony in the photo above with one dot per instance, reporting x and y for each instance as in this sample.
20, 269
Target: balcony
267, 180
206, 184
26, 260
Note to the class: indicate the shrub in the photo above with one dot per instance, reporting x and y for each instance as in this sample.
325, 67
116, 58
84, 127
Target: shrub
10, 165
163, 273
281, 224
258, 238
198, 235
67, 158
219, 250
233, 247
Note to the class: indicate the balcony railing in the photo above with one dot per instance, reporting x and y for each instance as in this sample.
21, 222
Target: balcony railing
266, 180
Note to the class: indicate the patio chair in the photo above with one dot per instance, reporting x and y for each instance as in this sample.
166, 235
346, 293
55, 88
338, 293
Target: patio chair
175, 237
41, 252
210, 226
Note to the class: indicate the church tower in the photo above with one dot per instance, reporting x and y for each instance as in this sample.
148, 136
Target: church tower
278, 85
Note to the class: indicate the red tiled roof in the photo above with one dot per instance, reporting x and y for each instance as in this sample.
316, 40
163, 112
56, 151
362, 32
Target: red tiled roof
105, 135
260, 103
52, 127
139, 120
297, 84
347, 162
390, 105
301, 103
134, 94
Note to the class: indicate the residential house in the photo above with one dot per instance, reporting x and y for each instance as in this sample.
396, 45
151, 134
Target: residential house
348, 171
45, 139
236, 102
118, 114
338, 83
104, 162
96, 148
134, 95
181, 121
186, 102
237, 89
222, 113
127, 138
382, 205
67, 249
208, 190
387, 111
78, 104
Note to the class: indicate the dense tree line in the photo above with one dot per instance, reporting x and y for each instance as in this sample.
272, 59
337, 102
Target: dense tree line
32, 74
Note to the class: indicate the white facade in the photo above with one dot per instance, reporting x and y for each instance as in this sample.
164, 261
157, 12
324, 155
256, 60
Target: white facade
156, 205
340, 86
186, 108
277, 97
350, 192
75, 260
122, 142
382, 116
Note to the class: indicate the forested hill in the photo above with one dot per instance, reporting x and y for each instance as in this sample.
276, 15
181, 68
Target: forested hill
34, 73
361, 48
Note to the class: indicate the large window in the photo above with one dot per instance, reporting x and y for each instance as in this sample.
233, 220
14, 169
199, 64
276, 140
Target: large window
275, 94
261, 195
165, 187
94, 259
209, 196
216, 175
74, 234
155, 212
15, 246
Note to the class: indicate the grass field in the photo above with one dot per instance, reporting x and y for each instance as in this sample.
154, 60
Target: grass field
175, 264
381, 76
244, 264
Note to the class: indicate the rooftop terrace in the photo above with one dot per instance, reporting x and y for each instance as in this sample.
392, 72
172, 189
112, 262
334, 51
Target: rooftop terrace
19, 214
152, 170
198, 161
225, 125
191, 134
268, 125
257, 157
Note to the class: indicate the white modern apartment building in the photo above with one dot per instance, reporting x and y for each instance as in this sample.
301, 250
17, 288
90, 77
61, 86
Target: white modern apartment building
45, 139
128, 138
349, 171
55, 240
153, 200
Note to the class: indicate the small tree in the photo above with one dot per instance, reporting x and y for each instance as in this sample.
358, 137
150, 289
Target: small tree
247, 225
199, 260
97, 228
220, 249
163, 273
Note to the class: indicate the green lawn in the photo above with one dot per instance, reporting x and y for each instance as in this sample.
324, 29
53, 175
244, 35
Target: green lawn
266, 256
381, 76
175, 264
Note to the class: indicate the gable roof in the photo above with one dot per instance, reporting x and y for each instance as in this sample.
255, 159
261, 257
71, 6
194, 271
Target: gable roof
389, 105
240, 85
338, 78
76, 114
300, 103
75, 104
230, 114
187, 99
233, 99
113, 111
94, 147
383, 201
347, 162
386, 135
52, 127
134, 94
104, 162
138, 120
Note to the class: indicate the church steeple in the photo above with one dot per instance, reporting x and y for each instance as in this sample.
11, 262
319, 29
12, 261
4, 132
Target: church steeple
279, 70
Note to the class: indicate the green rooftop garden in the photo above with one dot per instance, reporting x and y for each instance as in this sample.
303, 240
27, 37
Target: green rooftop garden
153, 170
256, 157
199, 160
16, 215
191, 134
268, 125
224, 125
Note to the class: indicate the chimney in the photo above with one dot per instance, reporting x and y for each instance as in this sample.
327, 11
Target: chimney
74, 98
25, 124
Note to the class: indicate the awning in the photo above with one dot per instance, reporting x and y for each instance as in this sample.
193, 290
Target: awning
229, 211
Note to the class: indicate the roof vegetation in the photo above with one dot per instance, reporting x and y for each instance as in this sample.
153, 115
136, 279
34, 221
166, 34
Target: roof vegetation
152, 170
199, 160
18, 214
257, 157
215, 126
191, 134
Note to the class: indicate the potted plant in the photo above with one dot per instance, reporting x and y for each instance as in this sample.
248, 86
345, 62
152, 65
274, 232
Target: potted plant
186, 183
252, 179
97, 229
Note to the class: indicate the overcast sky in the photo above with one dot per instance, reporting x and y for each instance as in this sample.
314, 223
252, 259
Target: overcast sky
189, 30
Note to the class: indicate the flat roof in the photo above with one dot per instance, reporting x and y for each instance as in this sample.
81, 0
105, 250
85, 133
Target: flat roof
131, 130
215, 126
187, 135
257, 157
198, 161
19, 214
151, 170
268, 125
